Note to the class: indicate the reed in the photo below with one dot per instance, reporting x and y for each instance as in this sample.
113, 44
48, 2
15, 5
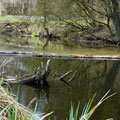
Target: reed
10, 109
87, 110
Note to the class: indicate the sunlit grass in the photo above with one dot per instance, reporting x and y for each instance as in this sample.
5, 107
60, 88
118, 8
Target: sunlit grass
9, 19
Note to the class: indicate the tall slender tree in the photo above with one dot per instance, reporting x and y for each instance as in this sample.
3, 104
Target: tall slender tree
115, 17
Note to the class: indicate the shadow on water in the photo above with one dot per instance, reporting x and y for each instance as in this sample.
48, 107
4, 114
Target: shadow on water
93, 76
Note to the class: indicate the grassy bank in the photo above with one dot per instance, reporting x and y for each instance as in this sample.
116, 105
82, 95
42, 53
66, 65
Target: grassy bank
64, 38
4, 19
10, 109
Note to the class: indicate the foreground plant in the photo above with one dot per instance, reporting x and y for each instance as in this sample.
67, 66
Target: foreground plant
10, 109
88, 111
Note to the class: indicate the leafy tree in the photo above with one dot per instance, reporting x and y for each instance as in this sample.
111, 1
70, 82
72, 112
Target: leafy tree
42, 10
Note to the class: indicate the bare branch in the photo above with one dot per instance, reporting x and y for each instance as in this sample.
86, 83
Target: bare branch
47, 65
66, 83
42, 65
63, 76
71, 77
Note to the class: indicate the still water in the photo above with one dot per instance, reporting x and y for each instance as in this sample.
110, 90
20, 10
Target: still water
37, 45
93, 76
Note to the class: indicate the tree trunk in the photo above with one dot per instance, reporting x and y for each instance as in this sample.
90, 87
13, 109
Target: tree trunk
115, 16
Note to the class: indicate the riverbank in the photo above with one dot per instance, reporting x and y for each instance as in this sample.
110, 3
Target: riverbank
11, 109
24, 34
58, 30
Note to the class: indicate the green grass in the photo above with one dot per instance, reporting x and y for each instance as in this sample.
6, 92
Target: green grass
9, 19
12, 110
88, 110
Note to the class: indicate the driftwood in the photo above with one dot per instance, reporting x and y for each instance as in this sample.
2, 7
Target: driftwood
61, 78
39, 78
25, 54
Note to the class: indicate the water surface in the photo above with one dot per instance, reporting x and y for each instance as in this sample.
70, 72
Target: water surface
36, 45
93, 76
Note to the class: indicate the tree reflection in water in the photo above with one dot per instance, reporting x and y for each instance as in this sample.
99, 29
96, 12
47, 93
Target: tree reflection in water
93, 76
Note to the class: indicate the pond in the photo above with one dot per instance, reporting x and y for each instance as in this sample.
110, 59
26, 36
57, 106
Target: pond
93, 76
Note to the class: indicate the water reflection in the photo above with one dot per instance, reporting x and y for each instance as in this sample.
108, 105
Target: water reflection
25, 44
91, 77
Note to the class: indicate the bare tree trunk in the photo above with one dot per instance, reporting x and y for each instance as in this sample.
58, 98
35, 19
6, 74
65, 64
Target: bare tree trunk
116, 17
45, 26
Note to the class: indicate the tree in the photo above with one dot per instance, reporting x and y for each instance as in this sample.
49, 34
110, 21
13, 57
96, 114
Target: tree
115, 16
111, 8
19, 7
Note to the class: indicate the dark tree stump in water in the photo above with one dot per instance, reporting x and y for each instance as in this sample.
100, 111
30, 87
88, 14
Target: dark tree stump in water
39, 79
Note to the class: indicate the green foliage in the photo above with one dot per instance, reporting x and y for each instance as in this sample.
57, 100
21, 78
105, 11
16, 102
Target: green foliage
87, 110
42, 7
72, 116
35, 35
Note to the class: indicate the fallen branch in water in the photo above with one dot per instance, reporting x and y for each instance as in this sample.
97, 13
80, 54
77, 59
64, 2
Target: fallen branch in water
25, 54
61, 78
39, 78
